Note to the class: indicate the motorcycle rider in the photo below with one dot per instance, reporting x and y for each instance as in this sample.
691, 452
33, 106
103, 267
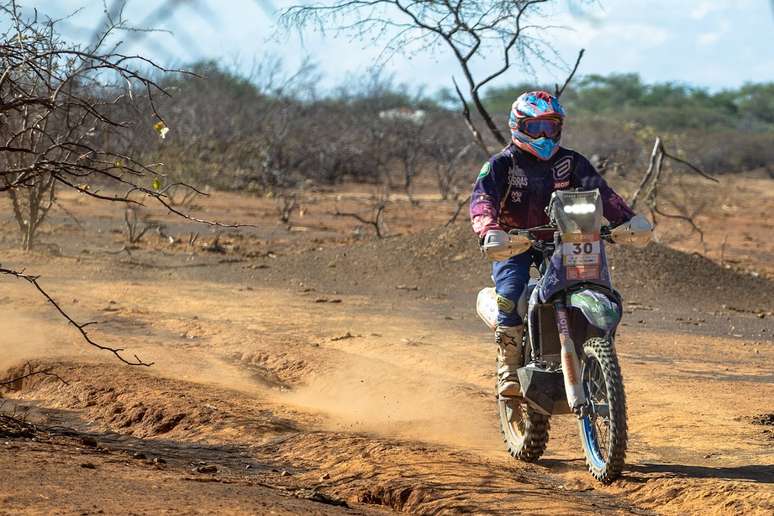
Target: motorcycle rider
512, 191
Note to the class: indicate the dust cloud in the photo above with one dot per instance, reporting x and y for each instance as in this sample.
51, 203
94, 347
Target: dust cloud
368, 395
25, 337
200, 367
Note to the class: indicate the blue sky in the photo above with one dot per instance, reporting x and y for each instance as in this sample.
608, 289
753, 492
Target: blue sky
714, 44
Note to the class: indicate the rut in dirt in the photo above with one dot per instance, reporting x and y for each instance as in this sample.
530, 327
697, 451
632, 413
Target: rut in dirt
362, 469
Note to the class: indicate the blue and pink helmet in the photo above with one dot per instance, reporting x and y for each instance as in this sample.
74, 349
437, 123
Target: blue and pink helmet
536, 123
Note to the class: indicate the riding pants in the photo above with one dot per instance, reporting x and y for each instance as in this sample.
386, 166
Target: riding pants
511, 277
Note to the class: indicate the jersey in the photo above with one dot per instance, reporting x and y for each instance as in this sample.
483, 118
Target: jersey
514, 188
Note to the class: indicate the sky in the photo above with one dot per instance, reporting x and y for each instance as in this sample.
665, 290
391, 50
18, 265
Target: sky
713, 44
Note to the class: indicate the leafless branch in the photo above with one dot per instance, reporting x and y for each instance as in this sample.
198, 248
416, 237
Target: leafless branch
181, 194
471, 126
651, 177
64, 108
682, 217
161, 200
689, 165
375, 221
648, 173
69, 214
472, 31
649, 186
558, 92
464, 202
33, 372
135, 228
80, 327
13, 426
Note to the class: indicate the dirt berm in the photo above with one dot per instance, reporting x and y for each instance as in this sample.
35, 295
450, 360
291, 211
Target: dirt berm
446, 263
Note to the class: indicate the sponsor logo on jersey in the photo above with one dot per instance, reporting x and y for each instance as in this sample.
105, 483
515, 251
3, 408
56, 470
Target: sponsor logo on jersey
561, 169
558, 185
484, 170
517, 180
516, 196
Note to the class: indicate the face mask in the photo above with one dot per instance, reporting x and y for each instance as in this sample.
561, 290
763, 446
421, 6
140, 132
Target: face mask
544, 148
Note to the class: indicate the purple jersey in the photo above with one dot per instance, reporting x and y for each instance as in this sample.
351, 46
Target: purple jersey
513, 189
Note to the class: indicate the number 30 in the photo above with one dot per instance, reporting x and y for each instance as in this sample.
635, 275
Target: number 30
586, 248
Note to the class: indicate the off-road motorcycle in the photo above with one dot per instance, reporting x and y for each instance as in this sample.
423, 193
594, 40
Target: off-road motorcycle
571, 312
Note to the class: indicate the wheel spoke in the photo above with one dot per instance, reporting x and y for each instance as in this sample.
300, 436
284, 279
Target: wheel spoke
516, 413
602, 410
597, 390
601, 437
603, 431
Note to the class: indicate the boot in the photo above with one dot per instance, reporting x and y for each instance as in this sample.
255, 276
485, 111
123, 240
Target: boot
509, 359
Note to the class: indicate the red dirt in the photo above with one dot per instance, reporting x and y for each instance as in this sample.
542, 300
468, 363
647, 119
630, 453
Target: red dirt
358, 368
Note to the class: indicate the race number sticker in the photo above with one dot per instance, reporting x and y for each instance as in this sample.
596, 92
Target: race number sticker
580, 253
581, 256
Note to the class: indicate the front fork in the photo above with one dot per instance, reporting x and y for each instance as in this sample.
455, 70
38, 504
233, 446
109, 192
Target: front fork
571, 370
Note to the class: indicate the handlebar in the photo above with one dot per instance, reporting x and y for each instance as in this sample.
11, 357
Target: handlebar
529, 233
499, 245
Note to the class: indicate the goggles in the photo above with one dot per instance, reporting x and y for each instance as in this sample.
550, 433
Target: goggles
539, 127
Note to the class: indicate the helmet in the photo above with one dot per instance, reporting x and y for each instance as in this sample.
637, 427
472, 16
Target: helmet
536, 123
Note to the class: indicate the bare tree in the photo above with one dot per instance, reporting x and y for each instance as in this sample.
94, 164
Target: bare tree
649, 191
406, 130
449, 152
54, 105
648, 187
471, 30
378, 205
136, 224
286, 203
376, 221
31, 204
63, 108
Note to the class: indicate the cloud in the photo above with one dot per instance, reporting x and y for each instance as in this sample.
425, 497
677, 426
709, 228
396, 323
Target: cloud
647, 36
704, 8
708, 38
641, 35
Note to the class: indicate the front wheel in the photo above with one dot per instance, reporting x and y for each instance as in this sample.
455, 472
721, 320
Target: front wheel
603, 431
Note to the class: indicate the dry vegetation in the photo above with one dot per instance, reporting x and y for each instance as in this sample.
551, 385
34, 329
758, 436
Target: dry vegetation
304, 348
323, 356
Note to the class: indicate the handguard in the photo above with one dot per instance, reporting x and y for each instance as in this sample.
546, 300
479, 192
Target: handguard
637, 232
499, 245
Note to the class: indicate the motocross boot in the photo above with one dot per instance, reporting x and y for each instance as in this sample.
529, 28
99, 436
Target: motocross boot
509, 359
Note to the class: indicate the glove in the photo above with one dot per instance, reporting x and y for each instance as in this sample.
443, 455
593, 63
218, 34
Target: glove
637, 232
498, 245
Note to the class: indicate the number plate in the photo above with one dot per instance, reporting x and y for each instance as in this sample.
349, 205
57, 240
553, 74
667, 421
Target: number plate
580, 253
581, 256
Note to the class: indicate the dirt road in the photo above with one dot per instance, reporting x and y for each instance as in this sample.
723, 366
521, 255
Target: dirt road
302, 382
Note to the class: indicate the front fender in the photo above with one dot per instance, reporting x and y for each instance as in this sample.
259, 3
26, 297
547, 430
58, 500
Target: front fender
599, 309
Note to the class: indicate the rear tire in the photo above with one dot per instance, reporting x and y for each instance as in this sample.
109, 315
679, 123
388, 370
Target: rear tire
525, 431
603, 436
